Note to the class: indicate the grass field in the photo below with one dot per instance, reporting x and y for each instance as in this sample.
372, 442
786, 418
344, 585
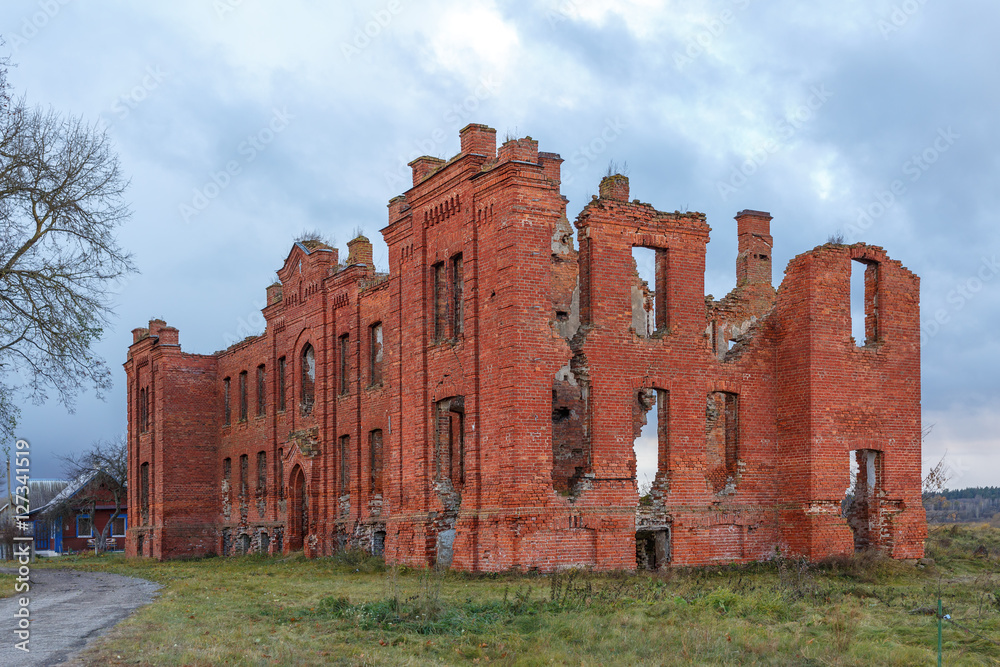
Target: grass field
352, 610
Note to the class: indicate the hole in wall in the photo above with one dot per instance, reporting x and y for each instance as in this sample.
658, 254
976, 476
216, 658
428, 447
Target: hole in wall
643, 292
858, 302
646, 444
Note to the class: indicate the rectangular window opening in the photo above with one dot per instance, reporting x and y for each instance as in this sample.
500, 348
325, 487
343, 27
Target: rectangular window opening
118, 525
861, 504
281, 473
308, 391
144, 493
649, 290
458, 285
439, 301
243, 396
344, 345
375, 452
651, 441
722, 439
226, 402
244, 474
261, 474
281, 384
261, 391
84, 526
449, 440
375, 353
345, 464
864, 302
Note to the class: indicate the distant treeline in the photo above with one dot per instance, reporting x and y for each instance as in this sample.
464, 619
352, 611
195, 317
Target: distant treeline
978, 503
971, 492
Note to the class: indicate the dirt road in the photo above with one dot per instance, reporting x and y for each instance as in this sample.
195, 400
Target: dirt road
68, 608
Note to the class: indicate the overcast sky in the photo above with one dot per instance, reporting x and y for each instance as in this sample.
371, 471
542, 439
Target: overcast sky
243, 123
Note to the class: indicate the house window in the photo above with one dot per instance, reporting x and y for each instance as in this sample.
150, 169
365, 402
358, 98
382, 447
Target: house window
226, 409
375, 454
345, 469
375, 353
344, 346
457, 288
261, 388
118, 525
439, 301
244, 473
84, 526
281, 384
243, 396
308, 380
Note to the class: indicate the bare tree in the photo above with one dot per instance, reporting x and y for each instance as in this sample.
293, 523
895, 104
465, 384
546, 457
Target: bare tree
107, 463
937, 478
61, 200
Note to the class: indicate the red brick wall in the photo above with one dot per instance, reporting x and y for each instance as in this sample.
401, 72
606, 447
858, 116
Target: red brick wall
543, 370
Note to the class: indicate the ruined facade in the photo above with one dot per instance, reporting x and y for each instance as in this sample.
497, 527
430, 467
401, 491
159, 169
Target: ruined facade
477, 406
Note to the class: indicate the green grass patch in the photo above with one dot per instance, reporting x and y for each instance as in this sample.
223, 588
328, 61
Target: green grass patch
7, 582
353, 610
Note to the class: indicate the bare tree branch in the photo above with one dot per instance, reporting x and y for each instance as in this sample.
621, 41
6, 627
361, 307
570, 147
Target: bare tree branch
61, 202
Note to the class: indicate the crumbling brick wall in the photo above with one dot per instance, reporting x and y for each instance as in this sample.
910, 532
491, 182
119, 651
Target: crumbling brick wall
477, 407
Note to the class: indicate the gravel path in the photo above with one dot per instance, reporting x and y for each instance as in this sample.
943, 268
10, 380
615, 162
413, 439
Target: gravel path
68, 609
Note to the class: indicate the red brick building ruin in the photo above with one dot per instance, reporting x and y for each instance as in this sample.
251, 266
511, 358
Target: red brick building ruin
476, 407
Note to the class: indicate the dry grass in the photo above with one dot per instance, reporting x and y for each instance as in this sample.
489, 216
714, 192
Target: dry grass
352, 610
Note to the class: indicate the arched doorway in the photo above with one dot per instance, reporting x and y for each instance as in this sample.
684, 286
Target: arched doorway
298, 510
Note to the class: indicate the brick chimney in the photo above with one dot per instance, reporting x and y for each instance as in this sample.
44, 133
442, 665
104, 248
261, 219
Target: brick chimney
519, 150
753, 263
397, 206
275, 293
169, 336
551, 165
359, 251
478, 139
424, 166
614, 187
